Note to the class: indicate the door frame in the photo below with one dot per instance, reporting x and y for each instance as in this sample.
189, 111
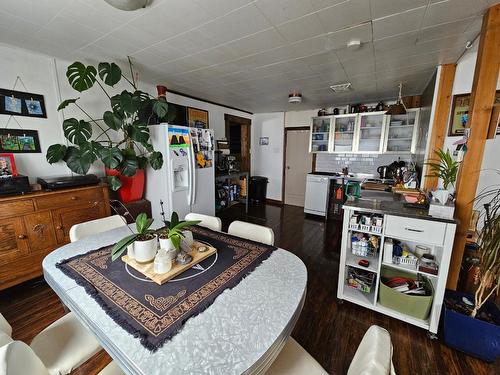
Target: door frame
242, 121
313, 163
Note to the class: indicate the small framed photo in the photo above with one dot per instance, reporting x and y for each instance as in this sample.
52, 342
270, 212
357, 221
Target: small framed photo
7, 165
264, 141
19, 141
197, 118
19, 103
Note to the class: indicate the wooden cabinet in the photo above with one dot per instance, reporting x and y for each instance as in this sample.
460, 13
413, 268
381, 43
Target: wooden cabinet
33, 225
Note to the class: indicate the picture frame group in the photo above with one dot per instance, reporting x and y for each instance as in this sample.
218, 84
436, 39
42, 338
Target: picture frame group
18, 103
19, 141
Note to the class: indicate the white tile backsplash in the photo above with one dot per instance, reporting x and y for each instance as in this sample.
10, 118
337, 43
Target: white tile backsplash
362, 163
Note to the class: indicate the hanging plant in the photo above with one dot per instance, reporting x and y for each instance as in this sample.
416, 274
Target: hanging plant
122, 141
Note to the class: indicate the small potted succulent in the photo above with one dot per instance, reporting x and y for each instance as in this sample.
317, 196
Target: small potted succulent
172, 235
142, 245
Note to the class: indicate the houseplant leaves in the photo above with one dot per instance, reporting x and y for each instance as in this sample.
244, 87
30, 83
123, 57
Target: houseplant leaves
130, 164
111, 157
66, 102
56, 153
81, 77
156, 160
77, 132
114, 183
78, 160
109, 73
113, 120
160, 108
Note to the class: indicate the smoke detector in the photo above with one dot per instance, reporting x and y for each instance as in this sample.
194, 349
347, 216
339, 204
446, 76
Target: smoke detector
341, 87
295, 97
354, 44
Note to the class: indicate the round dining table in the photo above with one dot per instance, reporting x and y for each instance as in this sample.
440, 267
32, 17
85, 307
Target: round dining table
242, 332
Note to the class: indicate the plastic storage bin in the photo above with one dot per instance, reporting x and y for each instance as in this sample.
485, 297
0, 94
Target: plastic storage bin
416, 306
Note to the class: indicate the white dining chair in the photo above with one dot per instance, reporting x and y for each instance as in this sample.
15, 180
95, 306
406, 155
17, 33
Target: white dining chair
252, 232
295, 360
374, 354
207, 221
64, 345
88, 228
17, 358
5, 327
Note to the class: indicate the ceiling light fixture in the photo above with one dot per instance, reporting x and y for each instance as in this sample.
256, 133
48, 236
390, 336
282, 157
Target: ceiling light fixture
341, 87
128, 4
399, 108
354, 44
295, 97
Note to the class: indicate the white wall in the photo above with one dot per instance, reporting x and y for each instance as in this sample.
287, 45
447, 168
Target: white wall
299, 118
267, 160
37, 73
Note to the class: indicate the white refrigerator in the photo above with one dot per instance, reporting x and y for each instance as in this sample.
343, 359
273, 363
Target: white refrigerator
185, 183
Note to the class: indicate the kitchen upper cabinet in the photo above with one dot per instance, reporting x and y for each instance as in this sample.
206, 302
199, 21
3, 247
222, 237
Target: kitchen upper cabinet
371, 132
401, 132
321, 134
363, 133
343, 132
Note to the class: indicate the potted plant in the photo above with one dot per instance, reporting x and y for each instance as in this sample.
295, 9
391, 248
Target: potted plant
172, 235
445, 168
119, 137
472, 323
144, 242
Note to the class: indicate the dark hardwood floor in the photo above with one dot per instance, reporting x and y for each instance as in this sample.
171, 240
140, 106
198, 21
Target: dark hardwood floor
330, 331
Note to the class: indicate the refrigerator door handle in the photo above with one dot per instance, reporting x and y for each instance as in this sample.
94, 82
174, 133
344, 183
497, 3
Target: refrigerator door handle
193, 178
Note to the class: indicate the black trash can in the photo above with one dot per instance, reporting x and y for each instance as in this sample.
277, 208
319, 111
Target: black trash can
258, 189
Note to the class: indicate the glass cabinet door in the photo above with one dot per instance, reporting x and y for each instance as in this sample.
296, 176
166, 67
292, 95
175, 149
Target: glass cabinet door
320, 134
343, 136
400, 132
371, 126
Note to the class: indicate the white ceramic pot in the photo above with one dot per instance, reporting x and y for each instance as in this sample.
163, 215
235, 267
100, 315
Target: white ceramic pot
162, 263
188, 239
130, 251
166, 243
441, 195
145, 251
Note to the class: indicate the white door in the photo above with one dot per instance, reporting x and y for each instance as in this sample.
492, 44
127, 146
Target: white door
297, 165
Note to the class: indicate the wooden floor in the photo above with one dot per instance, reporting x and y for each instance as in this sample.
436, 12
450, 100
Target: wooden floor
329, 331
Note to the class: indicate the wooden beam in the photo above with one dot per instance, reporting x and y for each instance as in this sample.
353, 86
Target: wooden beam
442, 111
482, 97
495, 118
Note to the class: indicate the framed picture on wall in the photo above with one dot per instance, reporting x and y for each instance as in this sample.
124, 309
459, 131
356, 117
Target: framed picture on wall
19, 141
460, 113
197, 118
7, 165
18, 103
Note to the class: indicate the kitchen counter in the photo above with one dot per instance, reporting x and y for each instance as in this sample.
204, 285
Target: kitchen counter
393, 206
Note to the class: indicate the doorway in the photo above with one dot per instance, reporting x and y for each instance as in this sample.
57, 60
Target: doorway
298, 162
238, 133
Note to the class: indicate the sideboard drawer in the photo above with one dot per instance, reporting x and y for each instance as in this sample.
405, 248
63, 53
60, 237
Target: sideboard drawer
65, 199
424, 231
16, 207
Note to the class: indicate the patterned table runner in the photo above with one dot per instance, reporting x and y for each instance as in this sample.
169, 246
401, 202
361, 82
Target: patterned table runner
155, 313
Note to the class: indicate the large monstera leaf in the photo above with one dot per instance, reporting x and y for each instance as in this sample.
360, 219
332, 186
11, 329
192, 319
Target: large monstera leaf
66, 102
78, 159
126, 103
113, 120
110, 73
156, 160
130, 164
111, 157
81, 77
139, 132
160, 108
77, 132
55, 153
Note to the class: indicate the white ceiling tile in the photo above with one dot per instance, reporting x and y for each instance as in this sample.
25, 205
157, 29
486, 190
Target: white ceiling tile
80, 12
35, 11
256, 43
216, 55
280, 11
148, 57
57, 31
120, 47
239, 23
345, 14
399, 23
217, 8
320, 4
451, 10
364, 52
355, 67
21, 25
301, 28
382, 8
339, 39
386, 45
189, 42
445, 29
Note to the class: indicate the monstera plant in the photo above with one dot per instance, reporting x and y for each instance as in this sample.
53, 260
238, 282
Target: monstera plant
120, 137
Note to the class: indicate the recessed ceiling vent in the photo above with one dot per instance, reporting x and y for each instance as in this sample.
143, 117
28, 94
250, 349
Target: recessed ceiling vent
341, 87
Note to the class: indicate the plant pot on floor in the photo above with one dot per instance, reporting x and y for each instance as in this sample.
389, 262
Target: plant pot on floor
472, 336
132, 188
145, 251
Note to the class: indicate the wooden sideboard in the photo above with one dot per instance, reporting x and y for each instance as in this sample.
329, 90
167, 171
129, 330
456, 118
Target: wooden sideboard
33, 225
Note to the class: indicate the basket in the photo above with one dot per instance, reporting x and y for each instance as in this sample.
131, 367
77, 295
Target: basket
416, 306
376, 229
354, 226
364, 227
360, 279
406, 261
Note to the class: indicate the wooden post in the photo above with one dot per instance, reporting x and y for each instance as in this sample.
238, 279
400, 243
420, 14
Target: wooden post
442, 111
483, 94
